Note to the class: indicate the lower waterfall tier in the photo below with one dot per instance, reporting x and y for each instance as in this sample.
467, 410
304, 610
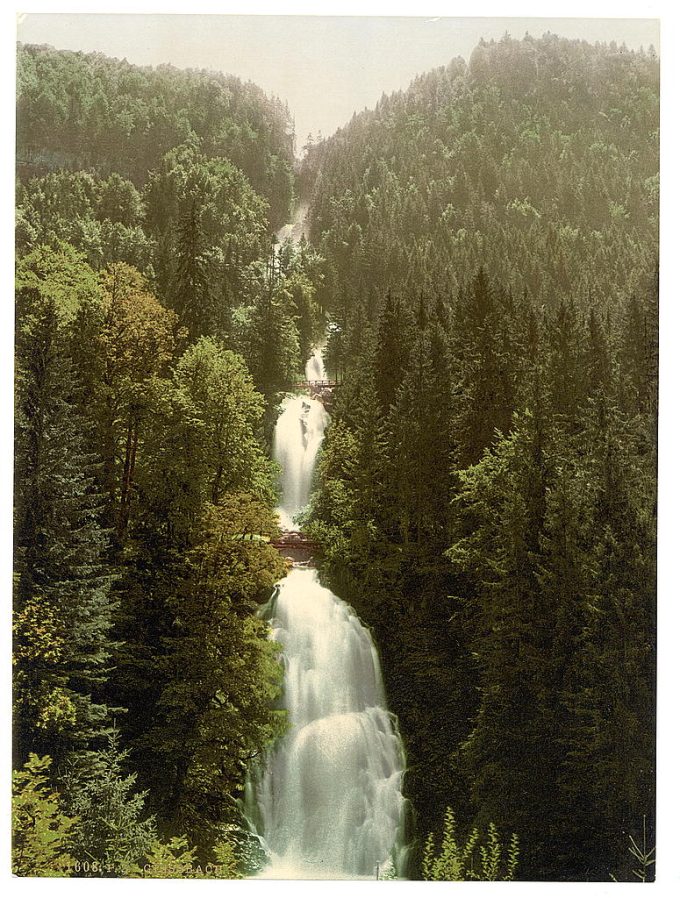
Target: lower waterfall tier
328, 802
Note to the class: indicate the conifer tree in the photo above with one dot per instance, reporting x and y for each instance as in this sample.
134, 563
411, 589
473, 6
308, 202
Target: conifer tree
503, 499
373, 508
392, 350
483, 381
611, 703
62, 575
272, 342
419, 452
565, 363
193, 293
110, 834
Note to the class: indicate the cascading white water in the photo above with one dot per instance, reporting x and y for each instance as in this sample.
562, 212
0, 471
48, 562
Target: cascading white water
314, 369
297, 438
328, 803
327, 800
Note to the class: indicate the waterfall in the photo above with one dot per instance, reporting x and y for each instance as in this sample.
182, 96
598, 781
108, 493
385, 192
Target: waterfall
297, 439
315, 370
326, 802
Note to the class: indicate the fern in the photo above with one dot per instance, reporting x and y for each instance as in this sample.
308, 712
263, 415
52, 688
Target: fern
513, 858
476, 859
643, 855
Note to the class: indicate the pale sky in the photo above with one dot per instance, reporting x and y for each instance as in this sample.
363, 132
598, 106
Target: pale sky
325, 67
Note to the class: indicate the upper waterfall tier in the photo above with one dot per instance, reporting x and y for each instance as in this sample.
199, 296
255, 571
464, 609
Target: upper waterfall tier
315, 369
297, 438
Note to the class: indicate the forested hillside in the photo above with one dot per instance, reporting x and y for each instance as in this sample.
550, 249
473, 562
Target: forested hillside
486, 492
538, 161
87, 111
155, 327
483, 262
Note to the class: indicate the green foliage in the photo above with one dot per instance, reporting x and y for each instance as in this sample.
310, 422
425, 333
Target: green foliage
170, 860
114, 395
104, 833
221, 673
208, 226
538, 176
531, 515
63, 580
200, 436
132, 116
60, 277
223, 412
40, 695
41, 832
136, 343
474, 859
302, 269
331, 514
226, 864
644, 857
175, 859
485, 367
100, 218
497, 528
610, 699
110, 832
485, 494
119, 202
270, 338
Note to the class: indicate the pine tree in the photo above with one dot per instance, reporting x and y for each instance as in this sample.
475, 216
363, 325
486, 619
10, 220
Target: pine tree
563, 574
639, 355
482, 373
192, 289
415, 443
110, 834
599, 365
565, 363
392, 350
500, 518
272, 344
62, 576
611, 700
373, 510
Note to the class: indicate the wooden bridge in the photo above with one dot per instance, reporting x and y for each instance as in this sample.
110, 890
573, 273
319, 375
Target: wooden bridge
295, 547
293, 540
